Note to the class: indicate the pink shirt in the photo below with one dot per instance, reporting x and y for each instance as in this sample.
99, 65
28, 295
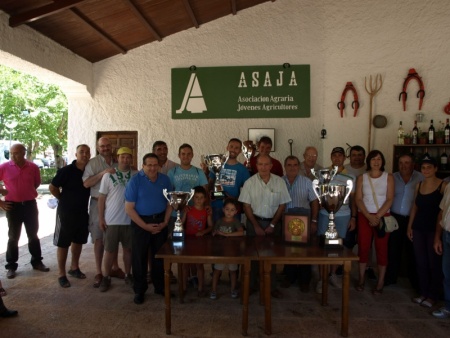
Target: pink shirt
21, 183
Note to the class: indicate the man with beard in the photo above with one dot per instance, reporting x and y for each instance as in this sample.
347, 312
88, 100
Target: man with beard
160, 150
232, 178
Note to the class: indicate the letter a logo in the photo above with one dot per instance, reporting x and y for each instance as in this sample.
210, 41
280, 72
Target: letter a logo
193, 97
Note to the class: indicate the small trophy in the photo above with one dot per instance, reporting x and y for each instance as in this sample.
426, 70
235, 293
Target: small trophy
178, 200
215, 163
248, 151
331, 198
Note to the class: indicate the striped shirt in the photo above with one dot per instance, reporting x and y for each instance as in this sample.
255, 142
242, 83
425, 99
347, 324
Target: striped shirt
301, 191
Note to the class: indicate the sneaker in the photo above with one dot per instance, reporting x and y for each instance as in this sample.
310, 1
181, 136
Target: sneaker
213, 295
441, 313
129, 280
11, 274
319, 287
335, 281
105, 284
234, 294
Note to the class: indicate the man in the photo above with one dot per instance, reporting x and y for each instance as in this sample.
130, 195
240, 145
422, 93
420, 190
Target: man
310, 162
72, 218
303, 200
21, 179
113, 219
149, 212
356, 166
264, 196
345, 218
160, 150
93, 173
442, 247
264, 148
232, 178
406, 180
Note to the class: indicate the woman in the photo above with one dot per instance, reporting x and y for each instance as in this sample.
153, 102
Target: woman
379, 184
421, 231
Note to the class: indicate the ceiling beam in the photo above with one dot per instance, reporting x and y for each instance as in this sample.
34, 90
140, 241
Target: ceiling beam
191, 13
98, 30
41, 12
233, 7
142, 19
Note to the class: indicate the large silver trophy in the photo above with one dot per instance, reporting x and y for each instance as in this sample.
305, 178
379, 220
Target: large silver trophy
248, 151
331, 197
215, 163
178, 200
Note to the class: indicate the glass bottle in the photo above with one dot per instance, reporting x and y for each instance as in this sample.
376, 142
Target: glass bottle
444, 160
431, 133
447, 133
415, 133
400, 134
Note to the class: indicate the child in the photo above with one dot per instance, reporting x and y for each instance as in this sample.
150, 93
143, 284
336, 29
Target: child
198, 222
227, 226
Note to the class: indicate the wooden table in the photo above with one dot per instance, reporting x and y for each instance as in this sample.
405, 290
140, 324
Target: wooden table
272, 251
208, 249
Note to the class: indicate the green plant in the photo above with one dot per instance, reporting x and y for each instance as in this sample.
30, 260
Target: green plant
47, 175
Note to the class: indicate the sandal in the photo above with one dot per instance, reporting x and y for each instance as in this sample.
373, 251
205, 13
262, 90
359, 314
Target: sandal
97, 280
64, 282
427, 303
418, 300
360, 287
2, 292
77, 273
377, 292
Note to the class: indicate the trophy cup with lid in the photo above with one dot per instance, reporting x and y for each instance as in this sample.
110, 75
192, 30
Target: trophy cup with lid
248, 150
215, 163
178, 200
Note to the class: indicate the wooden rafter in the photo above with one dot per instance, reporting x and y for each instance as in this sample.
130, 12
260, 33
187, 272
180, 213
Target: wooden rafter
42, 12
97, 30
233, 7
142, 19
191, 13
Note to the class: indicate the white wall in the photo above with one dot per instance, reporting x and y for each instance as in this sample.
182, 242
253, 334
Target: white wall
341, 40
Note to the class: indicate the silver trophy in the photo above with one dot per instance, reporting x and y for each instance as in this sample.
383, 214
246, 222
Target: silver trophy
248, 152
215, 163
178, 200
325, 176
331, 198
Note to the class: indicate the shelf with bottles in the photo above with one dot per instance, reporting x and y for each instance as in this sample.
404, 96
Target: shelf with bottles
432, 136
438, 151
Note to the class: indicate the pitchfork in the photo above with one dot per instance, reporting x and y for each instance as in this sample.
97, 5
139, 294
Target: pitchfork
374, 89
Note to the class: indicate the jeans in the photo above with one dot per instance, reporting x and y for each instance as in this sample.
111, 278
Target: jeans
446, 267
26, 213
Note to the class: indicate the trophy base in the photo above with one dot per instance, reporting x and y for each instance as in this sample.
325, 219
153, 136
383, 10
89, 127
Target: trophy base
328, 243
177, 236
217, 195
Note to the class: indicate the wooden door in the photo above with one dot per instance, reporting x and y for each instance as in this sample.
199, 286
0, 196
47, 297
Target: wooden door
122, 139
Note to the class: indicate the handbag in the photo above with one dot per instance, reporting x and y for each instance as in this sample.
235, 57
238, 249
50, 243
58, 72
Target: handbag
387, 223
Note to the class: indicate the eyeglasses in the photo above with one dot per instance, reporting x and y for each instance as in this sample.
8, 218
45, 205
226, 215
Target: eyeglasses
310, 155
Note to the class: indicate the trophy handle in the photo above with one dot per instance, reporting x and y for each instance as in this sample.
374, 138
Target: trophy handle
334, 172
190, 195
313, 172
348, 190
165, 195
315, 185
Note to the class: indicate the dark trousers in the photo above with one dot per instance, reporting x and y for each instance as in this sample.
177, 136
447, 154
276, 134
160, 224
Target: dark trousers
302, 273
143, 241
26, 213
399, 243
429, 265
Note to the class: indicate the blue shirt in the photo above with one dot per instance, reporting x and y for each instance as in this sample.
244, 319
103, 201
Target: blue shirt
404, 193
301, 191
147, 195
232, 177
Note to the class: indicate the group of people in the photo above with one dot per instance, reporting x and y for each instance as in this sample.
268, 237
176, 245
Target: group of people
116, 204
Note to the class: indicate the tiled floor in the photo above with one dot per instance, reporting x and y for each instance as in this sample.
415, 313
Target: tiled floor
47, 310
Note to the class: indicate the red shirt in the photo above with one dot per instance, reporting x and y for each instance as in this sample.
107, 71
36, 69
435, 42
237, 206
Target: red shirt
196, 220
21, 183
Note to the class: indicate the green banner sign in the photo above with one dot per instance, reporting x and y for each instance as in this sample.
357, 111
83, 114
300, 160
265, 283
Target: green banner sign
241, 92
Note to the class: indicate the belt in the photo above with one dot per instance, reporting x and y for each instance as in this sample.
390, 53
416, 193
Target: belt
263, 219
398, 215
22, 203
154, 216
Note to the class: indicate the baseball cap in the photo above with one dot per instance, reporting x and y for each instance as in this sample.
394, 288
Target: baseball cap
338, 150
428, 159
124, 150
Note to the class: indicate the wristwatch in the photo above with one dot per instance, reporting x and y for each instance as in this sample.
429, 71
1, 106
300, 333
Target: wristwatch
272, 226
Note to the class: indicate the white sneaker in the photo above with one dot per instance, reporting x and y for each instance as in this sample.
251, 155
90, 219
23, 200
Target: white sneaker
335, 281
319, 287
441, 313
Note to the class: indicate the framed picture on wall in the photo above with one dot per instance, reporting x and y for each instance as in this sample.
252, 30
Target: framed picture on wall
296, 228
255, 134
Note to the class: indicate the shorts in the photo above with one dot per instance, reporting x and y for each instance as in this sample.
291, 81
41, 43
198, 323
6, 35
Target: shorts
116, 234
221, 267
71, 227
94, 229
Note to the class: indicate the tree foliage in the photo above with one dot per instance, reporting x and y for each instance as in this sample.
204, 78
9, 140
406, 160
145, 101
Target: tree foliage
39, 109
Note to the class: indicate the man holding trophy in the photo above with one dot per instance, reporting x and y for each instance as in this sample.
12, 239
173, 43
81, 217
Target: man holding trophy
345, 216
149, 212
232, 176
264, 146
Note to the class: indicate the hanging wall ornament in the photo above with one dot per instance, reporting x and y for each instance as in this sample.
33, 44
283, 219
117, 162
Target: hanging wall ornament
355, 103
412, 75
